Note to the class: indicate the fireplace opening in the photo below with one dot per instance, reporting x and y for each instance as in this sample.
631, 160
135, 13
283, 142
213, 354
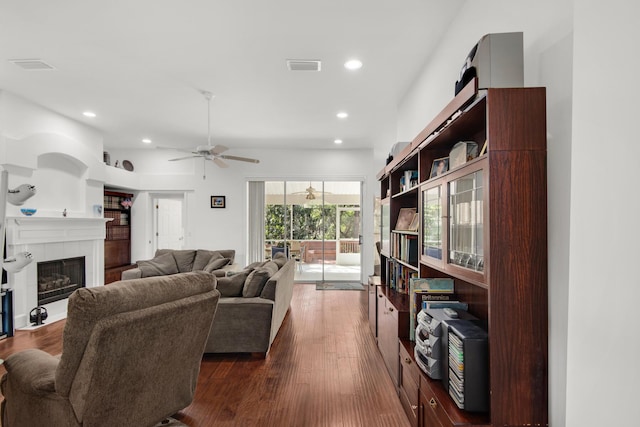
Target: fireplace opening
58, 279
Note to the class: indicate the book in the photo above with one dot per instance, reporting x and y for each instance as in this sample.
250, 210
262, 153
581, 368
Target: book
438, 284
445, 304
434, 286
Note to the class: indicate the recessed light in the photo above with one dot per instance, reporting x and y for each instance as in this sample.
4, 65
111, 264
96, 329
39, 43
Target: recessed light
146, 141
353, 64
342, 115
337, 141
89, 114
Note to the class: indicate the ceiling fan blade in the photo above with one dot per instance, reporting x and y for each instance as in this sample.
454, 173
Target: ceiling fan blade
183, 158
220, 163
241, 159
217, 149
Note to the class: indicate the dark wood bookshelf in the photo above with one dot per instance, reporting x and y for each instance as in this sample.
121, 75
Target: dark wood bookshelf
117, 243
504, 277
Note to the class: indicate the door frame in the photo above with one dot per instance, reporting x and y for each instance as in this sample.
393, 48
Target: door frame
154, 197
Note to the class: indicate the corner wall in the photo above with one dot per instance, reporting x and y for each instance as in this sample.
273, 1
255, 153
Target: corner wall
603, 376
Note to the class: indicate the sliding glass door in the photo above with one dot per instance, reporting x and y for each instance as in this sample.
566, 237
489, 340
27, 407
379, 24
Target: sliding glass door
317, 223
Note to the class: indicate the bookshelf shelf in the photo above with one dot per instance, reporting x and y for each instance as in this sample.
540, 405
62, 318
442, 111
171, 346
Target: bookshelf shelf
482, 224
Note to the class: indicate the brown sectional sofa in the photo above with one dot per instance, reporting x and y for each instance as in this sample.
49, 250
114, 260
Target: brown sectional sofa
253, 301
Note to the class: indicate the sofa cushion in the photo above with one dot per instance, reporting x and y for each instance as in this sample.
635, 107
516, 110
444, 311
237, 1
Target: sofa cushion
216, 264
257, 278
161, 265
204, 257
231, 286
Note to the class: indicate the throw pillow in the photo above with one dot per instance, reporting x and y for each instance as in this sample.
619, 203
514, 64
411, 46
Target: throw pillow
280, 261
255, 282
216, 264
203, 258
279, 255
272, 267
184, 259
231, 286
249, 268
162, 265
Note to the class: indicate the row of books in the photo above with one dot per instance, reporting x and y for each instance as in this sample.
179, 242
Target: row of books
405, 247
399, 277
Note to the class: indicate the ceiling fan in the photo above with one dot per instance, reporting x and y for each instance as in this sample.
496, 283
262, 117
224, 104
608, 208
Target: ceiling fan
212, 152
311, 193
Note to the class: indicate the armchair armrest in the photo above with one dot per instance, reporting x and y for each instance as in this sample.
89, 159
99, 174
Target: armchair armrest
134, 273
32, 371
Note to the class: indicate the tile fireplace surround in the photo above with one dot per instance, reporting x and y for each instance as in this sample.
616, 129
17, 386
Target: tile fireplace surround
49, 239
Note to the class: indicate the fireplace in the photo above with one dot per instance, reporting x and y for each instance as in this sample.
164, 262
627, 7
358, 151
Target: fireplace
58, 279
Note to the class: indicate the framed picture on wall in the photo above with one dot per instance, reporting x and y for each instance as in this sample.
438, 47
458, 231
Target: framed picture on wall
218, 202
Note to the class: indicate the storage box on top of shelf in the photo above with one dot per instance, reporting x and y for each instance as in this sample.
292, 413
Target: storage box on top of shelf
497, 61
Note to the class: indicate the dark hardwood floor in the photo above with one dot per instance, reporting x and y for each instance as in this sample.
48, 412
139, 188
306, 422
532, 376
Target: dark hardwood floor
324, 369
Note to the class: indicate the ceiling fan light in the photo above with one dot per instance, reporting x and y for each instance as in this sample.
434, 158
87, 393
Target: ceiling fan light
310, 196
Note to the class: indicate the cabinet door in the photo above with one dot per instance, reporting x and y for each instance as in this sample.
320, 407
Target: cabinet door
388, 336
408, 379
116, 253
429, 408
432, 224
385, 227
466, 212
373, 305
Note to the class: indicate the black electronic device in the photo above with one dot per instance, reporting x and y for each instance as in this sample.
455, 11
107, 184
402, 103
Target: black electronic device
431, 341
467, 376
497, 60
451, 345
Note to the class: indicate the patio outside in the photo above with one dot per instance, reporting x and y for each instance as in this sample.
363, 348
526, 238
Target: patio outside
318, 225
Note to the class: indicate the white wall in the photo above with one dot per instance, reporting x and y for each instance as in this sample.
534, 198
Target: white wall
60, 156
603, 375
548, 41
226, 228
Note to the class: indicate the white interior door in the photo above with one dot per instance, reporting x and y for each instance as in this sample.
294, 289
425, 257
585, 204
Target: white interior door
169, 227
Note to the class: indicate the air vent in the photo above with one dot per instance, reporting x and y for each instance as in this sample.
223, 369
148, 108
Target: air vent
303, 64
32, 64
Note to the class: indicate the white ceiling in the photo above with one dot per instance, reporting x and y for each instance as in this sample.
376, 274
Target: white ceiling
140, 65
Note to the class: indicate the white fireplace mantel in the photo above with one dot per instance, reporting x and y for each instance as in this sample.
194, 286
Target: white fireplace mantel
26, 230
47, 239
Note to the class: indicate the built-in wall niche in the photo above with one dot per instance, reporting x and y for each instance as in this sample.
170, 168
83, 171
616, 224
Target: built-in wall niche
60, 182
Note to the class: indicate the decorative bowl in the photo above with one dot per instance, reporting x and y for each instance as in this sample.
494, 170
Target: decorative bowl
28, 211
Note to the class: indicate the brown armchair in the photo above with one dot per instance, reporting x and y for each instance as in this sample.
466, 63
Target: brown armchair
131, 356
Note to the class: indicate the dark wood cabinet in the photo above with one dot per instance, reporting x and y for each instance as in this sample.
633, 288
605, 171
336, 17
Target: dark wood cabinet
372, 289
483, 224
117, 243
388, 334
409, 380
393, 321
